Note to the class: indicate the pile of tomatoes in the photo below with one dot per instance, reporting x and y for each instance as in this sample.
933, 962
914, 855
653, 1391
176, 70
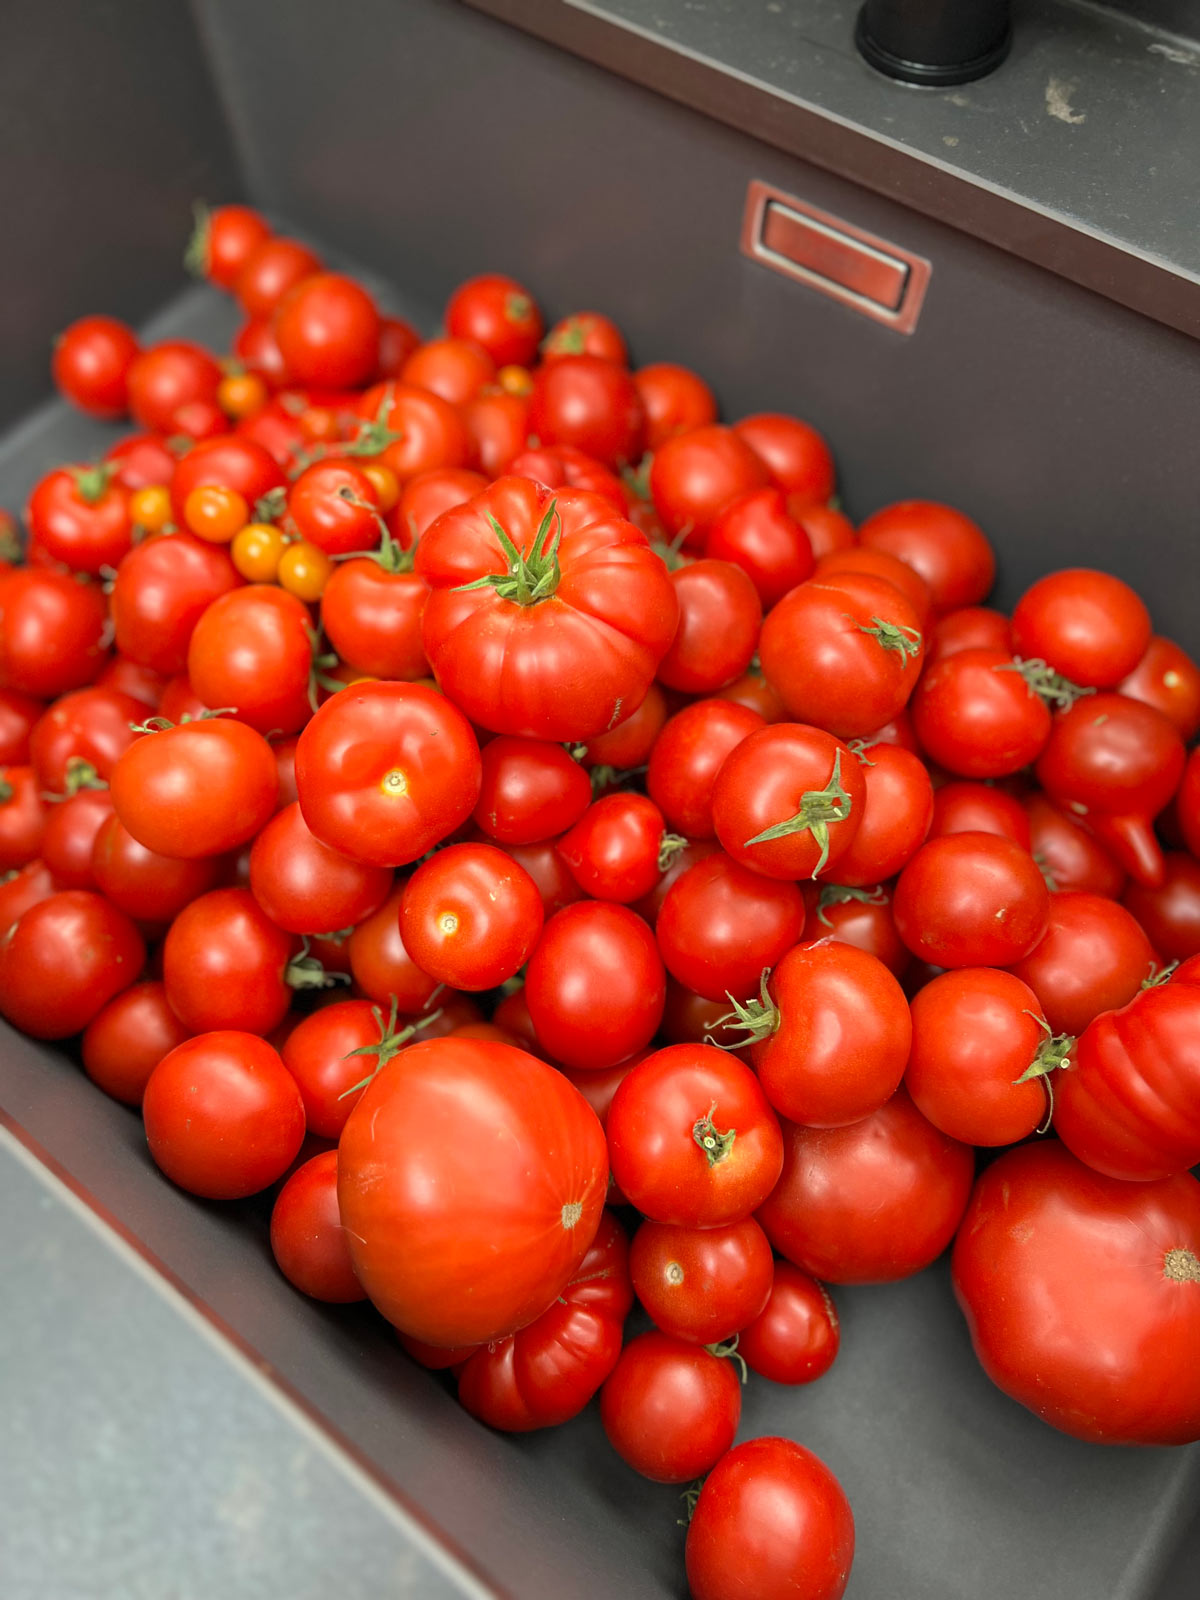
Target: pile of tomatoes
464, 783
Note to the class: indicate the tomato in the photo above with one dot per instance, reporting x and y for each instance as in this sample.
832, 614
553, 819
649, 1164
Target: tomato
788, 801
587, 402
498, 424
371, 611
758, 534
861, 917
232, 462
829, 1037
701, 1284
826, 528
771, 1521
721, 924
490, 1167
426, 496
585, 333
198, 789
385, 771
1068, 1279
753, 691
223, 241
125, 677
424, 431
629, 742
695, 475
979, 808
397, 341
897, 811
845, 569
90, 726
1170, 914
595, 985
562, 466
19, 715
456, 369
27, 886
619, 848
334, 1053
51, 632
334, 506
223, 1117
1088, 626
22, 817
327, 329
307, 1238
497, 313
1128, 1102
950, 552
304, 886
1115, 763
91, 363
969, 628
1067, 854
674, 399
971, 900
560, 634
256, 349
142, 460
167, 377
532, 789
554, 880
977, 716
795, 1338
687, 756
1093, 957
64, 961
252, 652
719, 619
794, 453
69, 837
692, 1138
1169, 680
670, 1410
226, 965
125, 1041
471, 916
269, 271
980, 1051
381, 965
144, 884
872, 1202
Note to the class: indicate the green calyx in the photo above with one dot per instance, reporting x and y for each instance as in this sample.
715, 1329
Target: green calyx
517, 307
1047, 684
837, 894
715, 1144
320, 671
672, 844
164, 725
728, 1350
818, 808
271, 506
6, 791
531, 578
374, 436
689, 1498
391, 1041
306, 972
893, 636
195, 257
92, 482
757, 1019
80, 774
1053, 1052
1159, 975
10, 545
637, 479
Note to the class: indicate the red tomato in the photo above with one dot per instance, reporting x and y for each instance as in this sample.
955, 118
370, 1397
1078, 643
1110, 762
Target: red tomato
304, 886
1088, 626
870, 1203
252, 652
758, 534
788, 801
1170, 914
223, 1117
1115, 762
595, 985
231, 461
256, 349
670, 1410
619, 848
1187, 803
64, 961
587, 402
381, 965
951, 552
19, 714
896, 815
307, 1239
701, 1284
28, 886
425, 497
333, 505
969, 628
795, 1338
327, 329
90, 726
22, 817
858, 562
753, 691
162, 589
198, 789
497, 313
51, 632
456, 369
629, 742
721, 924
830, 1035
223, 241
1067, 1279
692, 1138
977, 716
1128, 1102
498, 423
1068, 855
971, 900
585, 333
1093, 957
772, 1521
127, 677
142, 460
397, 341
560, 634
492, 1169
226, 965
719, 619
695, 475
166, 377
863, 918
550, 873
385, 771
125, 1041
422, 431
597, 1088
371, 610
675, 400
145, 885
333, 1054
1169, 680
532, 789
979, 808
546, 1373
827, 529
687, 756
471, 916
69, 838
269, 271
91, 362
794, 453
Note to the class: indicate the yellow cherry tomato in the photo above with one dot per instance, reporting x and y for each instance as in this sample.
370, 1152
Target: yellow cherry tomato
256, 550
150, 508
384, 482
515, 380
242, 394
304, 570
215, 513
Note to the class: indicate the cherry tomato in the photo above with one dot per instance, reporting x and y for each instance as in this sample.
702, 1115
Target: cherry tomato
22, 817
164, 378
304, 886
425, 497
758, 534
26, 887
670, 1410
701, 1284
64, 960
950, 552
1169, 680
562, 466
51, 632
722, 924
255, 347
226, 965
1093, 957
91, 364
423, 431
397, 341
1170, 914
381, 965
497, 313
532, 789
252, 652
618, 848
979, 808
125, 1041
80, 517
719, 619
144, 884
1067, 854
970, 900
142, 460
223, 240
162, 589
897, 811
585, 333
307, 1238
456, 369
587, 402
595, 985
471, 916
122, 676
794, 453
327, 329
1088, 626
215, 513
795, 1338
827, 528
753, 691
675, 400
498, 423
229, 462
977, 716
695, 475
269, 271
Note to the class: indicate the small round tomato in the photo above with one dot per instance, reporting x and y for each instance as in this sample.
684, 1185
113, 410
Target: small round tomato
951, 552
142, 461
721, 925
456, 369
164, 378
771, 1521
870, 1203
1093, 957
971, 900
1088, 626
307, 1237
695, 475
327, 329
381, 965
64, 961
845, 569
628, 743
199, 789
130, 679
618, 848
795, 1337
255, 551
1067, 854
91, 363
675, 400
861, 917
226, 965
223, 240
304, 886
371, 610
585, 333
162, 589
27, 886
687, 756
215, 513
897, 811
269, 271
252, 652
497, 313
425, 497
794, 453
144, 884
125, 1041
692, 1139
969, 628
333, 1054
1169, 680
550, 873
223, 1117
757, 533
498, 423
51, 632
69, 838
229, 462
979, 808
531, 790
587, 402
1170, 914
977, 716
471, 916
334, 506
397, 341
419, 431
719, 619
255, 348
19, 715
595, 985
827, 528
670, 1410
701, 1284
753, 691
22, 817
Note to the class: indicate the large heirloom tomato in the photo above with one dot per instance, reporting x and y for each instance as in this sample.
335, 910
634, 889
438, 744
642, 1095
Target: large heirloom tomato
471, 1180
549, 613
1082, 1295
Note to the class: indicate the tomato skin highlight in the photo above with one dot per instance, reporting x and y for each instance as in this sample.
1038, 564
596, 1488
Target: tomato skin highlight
669, 1409
595, 985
